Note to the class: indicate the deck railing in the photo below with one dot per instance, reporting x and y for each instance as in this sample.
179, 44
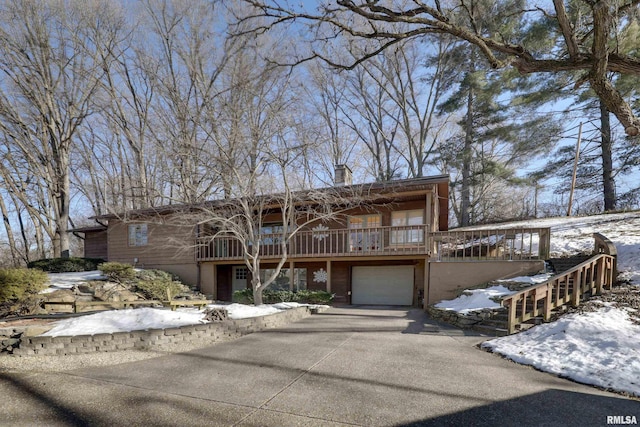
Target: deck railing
570, 287
467, 245
377, 241
492, 244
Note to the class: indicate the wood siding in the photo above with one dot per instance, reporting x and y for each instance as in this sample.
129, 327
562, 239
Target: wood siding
335, 241
340, 278
169, 248
96, 244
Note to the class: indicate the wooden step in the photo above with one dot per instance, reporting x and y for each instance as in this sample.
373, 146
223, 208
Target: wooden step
560, 265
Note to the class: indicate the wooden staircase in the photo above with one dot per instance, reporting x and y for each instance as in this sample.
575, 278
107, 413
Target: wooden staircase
577, 278
560, 265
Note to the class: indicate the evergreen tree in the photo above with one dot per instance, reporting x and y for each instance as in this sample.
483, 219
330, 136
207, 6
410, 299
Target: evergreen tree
497, 128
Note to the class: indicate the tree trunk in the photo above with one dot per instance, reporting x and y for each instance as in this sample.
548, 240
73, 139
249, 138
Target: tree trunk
62, 199
465, 191
257, 287
608, 181
11, 240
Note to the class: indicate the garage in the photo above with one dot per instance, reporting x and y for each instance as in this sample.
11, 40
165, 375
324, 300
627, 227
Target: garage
382, 285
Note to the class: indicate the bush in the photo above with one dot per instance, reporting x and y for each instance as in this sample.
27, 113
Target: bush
269, 296
21, 283
274, 297
314, 297
66, 265
117, 271
158, 284
244, 296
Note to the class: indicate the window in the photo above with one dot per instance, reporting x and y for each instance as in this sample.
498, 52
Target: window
364, 232
138, 235
282, 280
271, 234
408, 223
241, 273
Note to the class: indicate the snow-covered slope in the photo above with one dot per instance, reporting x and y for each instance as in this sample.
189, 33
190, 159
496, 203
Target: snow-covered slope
600, 347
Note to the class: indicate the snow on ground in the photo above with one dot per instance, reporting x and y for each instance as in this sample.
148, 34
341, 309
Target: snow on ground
571, 235
602, 347
475, 299
242, 311
143, 318
529, 280
107, 322
69, 280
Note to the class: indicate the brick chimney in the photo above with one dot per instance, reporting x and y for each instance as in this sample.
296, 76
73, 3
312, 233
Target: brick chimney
342, 176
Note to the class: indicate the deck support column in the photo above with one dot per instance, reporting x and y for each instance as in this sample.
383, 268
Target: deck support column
329, 276
425, 283
291, 274
214, 282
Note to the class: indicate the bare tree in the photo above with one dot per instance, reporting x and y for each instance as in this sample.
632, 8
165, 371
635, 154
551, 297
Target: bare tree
11, 241
50, 75
240, 220
581, 37
327, 99
415, 82
184, 61
375, 120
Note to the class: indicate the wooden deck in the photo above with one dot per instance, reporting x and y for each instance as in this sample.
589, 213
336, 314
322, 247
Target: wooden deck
388, 242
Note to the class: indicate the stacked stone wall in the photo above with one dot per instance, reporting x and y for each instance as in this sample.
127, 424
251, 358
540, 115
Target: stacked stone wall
14, 342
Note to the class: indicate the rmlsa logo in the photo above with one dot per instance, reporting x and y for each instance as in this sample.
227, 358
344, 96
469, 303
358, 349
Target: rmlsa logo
622, 419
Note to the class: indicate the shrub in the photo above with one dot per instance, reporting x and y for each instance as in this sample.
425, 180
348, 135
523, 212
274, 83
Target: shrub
158, 284
244, 296
117, 271
66, 265
314, 297
155, 275
269, 296
20, 283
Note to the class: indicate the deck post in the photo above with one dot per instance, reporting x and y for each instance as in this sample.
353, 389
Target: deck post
548, 303
511, 322
544, 239
329, 275
214, 282
577, 288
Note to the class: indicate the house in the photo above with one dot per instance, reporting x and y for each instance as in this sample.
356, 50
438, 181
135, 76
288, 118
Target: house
394, 248
95, 241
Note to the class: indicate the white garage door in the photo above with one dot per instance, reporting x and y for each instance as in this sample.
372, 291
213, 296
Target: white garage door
382, 285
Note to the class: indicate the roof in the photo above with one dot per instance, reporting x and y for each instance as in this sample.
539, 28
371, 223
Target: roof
381, 188
88, 229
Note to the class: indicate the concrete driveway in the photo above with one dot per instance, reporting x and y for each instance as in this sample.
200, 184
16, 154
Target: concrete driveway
347, 366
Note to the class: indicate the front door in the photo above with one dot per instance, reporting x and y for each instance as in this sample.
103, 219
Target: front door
239, 278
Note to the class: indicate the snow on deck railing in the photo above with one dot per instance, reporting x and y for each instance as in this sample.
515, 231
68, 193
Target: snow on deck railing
591, 277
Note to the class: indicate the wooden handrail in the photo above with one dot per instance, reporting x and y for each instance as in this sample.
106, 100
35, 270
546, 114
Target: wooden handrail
76, 306
491, 244
593, 275
374, 241
463, 245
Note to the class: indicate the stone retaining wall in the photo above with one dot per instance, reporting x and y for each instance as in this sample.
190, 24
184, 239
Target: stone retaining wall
463, 321
202, 334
